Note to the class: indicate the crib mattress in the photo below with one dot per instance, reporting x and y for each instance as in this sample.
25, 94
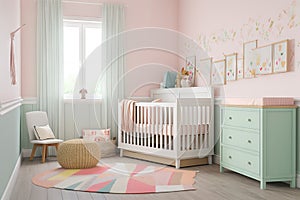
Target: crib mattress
167, 129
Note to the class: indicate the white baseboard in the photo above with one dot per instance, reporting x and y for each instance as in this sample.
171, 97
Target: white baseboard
298, 180
26, 153
216, 159
12, 181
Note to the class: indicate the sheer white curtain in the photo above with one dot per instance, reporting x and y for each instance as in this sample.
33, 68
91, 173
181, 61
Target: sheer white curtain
50, 60
113, 64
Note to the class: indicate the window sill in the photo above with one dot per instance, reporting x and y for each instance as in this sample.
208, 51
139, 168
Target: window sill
83, 101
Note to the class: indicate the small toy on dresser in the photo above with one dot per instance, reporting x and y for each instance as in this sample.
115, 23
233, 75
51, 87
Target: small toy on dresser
185, 78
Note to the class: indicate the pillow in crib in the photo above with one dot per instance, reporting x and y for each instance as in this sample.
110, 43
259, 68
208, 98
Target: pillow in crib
96, 134
169, 79
43, 132
156, 100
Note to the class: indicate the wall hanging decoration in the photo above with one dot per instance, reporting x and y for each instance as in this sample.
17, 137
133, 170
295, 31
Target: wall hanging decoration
249, 66
12, 56
231, 65
240, 69
263, 60
190, 67
218, 73
280, 56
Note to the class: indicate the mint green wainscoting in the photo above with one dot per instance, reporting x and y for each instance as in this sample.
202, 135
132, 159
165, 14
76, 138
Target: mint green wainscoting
217, 129
25, 143
259, 143
9, 145
78, 115
298, 143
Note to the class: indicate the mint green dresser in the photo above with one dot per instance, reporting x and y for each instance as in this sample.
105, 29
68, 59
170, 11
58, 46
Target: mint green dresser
259, 142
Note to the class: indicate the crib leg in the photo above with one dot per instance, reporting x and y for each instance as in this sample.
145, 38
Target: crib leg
210, 159
121, 152
177, 163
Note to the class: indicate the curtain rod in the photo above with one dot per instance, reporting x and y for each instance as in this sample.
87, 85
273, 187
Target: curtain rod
83, 2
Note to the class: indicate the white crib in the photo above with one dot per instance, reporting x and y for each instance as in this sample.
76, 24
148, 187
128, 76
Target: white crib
179, 128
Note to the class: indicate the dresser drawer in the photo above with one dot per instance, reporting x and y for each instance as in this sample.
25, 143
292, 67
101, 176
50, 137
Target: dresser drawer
241, 118
241, 160
242, 139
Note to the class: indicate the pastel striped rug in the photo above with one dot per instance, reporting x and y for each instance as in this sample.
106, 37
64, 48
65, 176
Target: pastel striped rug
118, 178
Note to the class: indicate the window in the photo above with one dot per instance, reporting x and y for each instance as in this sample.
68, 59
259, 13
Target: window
81, 38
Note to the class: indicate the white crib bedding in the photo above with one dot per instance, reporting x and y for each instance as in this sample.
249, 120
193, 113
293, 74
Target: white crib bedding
167, 129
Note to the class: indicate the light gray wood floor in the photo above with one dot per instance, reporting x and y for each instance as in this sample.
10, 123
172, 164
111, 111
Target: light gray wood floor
210, 185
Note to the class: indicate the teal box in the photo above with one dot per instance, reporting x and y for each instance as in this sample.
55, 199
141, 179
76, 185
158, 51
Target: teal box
169, 79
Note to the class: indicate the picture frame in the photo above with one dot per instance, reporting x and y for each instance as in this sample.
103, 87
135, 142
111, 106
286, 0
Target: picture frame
280, 56
231, 66
249, 67
191, 68
240, 69
204, 67
218, 73
263, 60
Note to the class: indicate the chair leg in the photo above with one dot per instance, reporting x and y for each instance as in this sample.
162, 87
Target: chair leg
33, 152
56, 146
45, 146
46, 154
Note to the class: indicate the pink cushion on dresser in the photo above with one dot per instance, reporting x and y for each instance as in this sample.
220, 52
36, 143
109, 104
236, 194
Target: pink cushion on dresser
264, 101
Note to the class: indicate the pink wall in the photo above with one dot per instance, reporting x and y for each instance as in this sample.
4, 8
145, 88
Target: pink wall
221, 27
145, 13
28, 40
10, 21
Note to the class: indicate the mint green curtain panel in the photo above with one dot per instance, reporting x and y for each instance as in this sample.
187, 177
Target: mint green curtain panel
113, 64
50, 60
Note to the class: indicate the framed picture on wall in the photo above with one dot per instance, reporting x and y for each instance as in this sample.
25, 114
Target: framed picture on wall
280, 51
218, 73
249, 66
263, 60
191, 68
240, 69
231, 66
204, 69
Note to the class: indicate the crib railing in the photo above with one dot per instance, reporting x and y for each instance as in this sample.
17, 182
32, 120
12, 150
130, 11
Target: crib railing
153, 126
194, 123
163, 127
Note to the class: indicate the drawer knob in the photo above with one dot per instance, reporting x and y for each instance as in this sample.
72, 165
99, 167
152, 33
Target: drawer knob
229, 157
249, 141
249, 163
249, 120
230, 137
230, 118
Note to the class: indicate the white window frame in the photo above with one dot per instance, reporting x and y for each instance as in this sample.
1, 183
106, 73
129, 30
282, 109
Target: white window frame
82, 25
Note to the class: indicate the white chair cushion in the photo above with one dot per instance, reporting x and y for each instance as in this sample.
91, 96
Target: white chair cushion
43, 132
49, 141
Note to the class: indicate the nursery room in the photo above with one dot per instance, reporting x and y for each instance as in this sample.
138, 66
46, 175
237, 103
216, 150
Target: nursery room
152, 99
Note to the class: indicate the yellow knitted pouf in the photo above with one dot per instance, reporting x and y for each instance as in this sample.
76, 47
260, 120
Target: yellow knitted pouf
78, 154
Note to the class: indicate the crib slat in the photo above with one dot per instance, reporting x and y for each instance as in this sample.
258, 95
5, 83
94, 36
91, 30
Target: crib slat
165, 128
156, 126
188, 131
152, 127
134, 125
201, 125
170, 127
160, 127
138, 125
183, 128
197, 126
148, 126
144, 126
193, 127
